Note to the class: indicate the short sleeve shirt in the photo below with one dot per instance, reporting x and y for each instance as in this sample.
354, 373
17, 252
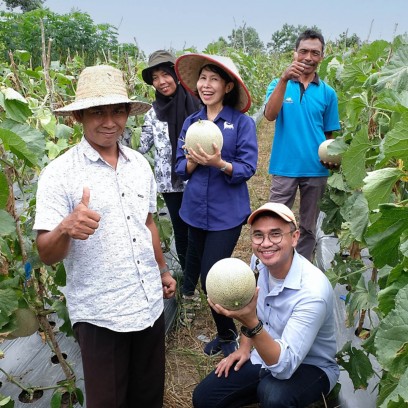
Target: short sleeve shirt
300, 128
113, 279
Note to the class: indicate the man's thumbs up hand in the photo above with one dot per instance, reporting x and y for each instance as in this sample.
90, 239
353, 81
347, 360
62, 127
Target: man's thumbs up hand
86, 195
82, 222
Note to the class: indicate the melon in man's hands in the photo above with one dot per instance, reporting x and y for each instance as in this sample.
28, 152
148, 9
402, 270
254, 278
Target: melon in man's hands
324, 156
230, 283
204, 133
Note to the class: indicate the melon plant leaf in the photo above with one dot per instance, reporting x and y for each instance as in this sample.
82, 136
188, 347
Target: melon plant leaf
63, 131
397, 279
15, 105
80, 396
4, 191
364, 297
32, 137
357, 364
392, 334
8, 304
55, 149
356, 73
378, 185
356, 212
17, 146
61, 309
336, 181
56, 398
353, 162
395, 143
384, 235
395, 74
392, 391
404, 244
7, 223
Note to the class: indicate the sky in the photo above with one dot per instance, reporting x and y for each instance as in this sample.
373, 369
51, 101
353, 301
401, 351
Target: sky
182, 24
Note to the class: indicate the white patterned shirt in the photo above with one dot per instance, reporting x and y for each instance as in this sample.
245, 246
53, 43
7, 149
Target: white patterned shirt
113, 279
156, 133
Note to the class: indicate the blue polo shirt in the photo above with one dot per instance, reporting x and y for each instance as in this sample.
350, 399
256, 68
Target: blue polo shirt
213, 200
300, 127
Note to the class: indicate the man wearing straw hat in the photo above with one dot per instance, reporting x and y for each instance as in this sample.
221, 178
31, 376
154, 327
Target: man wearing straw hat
94, 212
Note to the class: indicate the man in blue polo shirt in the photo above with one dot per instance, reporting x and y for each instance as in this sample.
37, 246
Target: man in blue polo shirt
306, 112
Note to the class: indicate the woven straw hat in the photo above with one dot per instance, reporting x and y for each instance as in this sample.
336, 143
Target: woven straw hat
188, 67
102, 85
159, 57
280, 209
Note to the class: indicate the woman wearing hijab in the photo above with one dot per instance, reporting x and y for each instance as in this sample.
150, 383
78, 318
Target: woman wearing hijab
161, 130
216, 200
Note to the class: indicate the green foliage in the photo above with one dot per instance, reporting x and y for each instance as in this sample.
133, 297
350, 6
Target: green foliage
72, 34
246, 39
25, 5
284, 40
367, 200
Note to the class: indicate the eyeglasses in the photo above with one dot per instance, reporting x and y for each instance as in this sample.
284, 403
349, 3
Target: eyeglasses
274, 237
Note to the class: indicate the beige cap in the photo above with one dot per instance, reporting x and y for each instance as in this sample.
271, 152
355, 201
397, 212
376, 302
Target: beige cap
280, 209
102, 85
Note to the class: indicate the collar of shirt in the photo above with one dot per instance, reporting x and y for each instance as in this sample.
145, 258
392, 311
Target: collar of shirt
294, 277
226, 114
93, 155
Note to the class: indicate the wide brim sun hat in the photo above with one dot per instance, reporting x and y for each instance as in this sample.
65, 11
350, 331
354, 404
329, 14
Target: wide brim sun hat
188, 67
102, 85
157, 58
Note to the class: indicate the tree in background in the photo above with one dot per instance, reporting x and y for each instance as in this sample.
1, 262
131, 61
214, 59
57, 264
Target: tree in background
284, 40
25, 5
347, 41
72, 34
246, 39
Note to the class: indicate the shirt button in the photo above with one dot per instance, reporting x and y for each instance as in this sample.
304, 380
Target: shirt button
128, 217
123, 194
134, 239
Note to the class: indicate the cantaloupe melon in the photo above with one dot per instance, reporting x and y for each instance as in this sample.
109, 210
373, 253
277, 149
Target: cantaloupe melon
230, 283
205, 133
324, 156
27, 324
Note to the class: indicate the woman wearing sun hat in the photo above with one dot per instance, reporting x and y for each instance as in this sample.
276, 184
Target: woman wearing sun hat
216, 199
94, 216
160, 130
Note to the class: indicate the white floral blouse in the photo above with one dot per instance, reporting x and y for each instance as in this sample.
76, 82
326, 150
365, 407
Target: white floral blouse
155, 133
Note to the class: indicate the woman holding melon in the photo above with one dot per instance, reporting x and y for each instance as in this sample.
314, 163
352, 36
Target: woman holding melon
216, 200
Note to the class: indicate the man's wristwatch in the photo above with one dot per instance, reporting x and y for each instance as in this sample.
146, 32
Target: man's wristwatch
252, 332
